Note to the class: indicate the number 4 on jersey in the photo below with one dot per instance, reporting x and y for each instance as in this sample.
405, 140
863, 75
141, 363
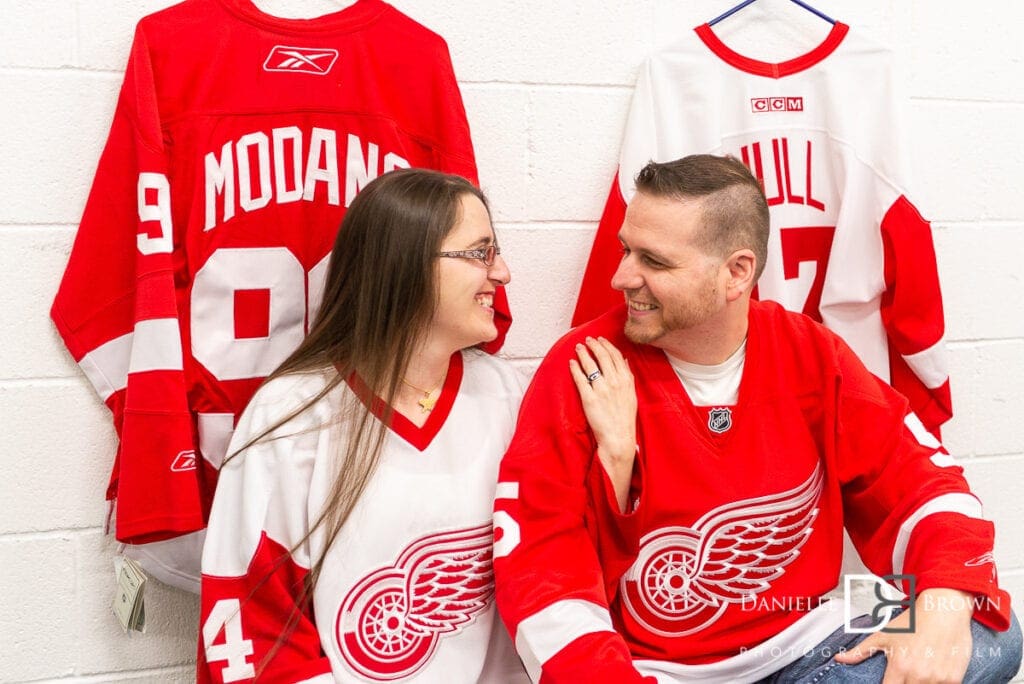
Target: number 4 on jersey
226, 618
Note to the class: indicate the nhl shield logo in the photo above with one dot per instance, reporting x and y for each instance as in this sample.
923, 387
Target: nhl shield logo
719, 420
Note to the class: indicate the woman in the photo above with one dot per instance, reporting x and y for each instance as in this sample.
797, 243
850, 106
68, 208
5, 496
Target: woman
350, 536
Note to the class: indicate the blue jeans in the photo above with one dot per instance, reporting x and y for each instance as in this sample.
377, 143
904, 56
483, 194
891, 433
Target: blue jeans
996, 658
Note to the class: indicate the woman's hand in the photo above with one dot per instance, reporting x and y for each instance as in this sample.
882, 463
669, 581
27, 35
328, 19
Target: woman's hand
608, 393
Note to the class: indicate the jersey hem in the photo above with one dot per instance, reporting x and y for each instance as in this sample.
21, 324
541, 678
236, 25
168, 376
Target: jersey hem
145, 531
759, 660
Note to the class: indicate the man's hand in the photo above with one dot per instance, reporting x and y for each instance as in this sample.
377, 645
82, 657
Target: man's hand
939, 648
609, 403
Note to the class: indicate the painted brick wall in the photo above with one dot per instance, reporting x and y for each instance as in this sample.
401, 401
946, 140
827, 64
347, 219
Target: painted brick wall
547, 86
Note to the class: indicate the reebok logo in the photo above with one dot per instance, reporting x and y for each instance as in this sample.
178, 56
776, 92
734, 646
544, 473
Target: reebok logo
300, 60
185, 460
981, 560
776, 104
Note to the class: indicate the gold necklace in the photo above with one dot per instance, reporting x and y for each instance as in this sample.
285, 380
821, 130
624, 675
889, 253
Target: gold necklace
426, 402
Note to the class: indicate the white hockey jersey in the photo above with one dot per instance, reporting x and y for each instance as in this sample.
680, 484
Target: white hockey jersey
406, 590
847, 247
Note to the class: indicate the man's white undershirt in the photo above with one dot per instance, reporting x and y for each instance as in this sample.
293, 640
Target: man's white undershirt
717, 385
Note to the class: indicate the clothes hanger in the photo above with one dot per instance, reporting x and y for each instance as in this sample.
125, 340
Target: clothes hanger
743, 4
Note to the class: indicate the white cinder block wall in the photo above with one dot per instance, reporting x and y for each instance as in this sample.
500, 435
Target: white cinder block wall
546, 86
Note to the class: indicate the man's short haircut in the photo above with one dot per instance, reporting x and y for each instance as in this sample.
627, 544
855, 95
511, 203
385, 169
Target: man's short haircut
734, 208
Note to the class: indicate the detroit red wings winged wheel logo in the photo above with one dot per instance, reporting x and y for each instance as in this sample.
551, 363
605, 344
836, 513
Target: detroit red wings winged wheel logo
391, 620
685, 577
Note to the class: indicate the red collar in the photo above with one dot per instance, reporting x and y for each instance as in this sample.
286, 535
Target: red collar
758, 68
419, 437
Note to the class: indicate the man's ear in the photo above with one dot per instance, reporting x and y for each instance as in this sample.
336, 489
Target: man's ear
741, 265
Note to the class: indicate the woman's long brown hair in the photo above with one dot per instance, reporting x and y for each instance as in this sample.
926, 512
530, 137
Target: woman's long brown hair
378, 302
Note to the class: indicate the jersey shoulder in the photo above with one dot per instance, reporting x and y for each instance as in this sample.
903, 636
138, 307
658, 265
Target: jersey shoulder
809, 355
779, 320
187, 15
608, 325
282, 396
492, 375
404, 24
553, 376
791, 336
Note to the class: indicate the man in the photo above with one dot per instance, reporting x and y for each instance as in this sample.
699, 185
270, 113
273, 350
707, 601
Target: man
697, 540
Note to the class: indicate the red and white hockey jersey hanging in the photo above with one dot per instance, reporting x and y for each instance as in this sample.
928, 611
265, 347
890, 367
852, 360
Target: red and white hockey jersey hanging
237, 142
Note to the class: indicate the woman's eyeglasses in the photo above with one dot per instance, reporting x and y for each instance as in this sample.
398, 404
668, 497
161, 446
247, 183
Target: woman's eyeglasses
484, 254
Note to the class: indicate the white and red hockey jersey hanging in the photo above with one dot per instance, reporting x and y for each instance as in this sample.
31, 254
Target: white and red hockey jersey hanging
238, 141
847, 247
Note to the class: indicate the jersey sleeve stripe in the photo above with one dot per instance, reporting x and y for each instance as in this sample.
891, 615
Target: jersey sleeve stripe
965, 504
930, 365
106, 366
542, 635
920, 432
215, 430
943, 460
507, 490
157, 346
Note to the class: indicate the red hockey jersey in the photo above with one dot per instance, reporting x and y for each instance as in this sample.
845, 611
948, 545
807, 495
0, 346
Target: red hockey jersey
238, 141
735, 529
820, 131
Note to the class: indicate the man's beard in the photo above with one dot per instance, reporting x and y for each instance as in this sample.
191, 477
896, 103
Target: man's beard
643, 333
685, 315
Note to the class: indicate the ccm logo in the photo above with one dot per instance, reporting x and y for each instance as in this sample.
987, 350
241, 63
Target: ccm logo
776, 104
